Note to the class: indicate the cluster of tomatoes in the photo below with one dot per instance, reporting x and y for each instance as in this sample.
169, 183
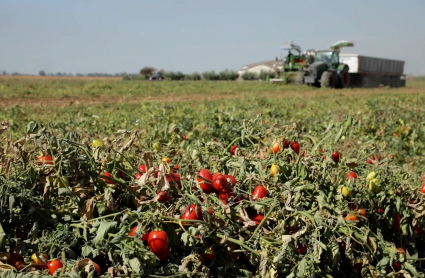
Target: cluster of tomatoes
39, 261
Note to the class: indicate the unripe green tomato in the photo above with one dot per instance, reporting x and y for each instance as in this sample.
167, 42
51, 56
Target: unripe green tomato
156, 146
374, 186
97, 143
371, 176
346, 191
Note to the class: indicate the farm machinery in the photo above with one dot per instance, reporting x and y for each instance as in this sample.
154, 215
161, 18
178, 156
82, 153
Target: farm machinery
325, 68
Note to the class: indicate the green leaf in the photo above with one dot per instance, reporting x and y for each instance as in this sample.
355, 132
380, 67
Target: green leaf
301, 268
103, 230
384, 261
411, 268
135, 265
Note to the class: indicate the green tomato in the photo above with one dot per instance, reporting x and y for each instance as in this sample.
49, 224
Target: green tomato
371, 176
156, 146
374, 186
346, 191
97, 143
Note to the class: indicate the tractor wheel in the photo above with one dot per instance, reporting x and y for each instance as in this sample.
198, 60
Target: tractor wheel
299, 79
328, 80
344, 78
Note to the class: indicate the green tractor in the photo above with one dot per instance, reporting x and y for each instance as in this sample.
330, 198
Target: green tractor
325, 70
294, 61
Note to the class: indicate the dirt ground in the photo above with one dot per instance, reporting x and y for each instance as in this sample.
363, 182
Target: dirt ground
75, 101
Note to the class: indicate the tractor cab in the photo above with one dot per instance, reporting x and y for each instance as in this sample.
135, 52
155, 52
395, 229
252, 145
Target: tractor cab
330, 58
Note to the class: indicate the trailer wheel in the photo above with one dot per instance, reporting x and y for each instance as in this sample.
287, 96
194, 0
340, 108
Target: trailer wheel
345, 77
327, 80
299, 79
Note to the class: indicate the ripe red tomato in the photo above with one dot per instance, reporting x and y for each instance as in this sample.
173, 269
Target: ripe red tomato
108, 181
192, 212
223, 201
362, 212
259, 192
335, 156
216, 175
302, 249
52, 266
257, 218
144, 236
97, 267
164, 257
275, 148
174, 177
184, 137
163, 196
292, 230
380, 210
342, 245
351, 175
220, 183
285, 144
396, 222
158, 243
206, 181
230, 179
138, 176
423, 188
401, 251
45, 159
142, 168
418, 230
226, 194
396, 266
208, 255
16, 260
233, 150
295, 147
212, 213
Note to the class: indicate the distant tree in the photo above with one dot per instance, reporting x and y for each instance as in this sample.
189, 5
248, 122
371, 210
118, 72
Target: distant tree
42, 73
249, 76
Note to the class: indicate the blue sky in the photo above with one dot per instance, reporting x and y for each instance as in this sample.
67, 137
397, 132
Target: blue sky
187, 35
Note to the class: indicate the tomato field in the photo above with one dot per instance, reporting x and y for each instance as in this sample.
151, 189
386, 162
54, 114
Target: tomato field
222, 180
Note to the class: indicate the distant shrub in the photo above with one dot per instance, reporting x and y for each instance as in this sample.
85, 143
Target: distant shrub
263, 74
194, 76
171, 75
250, 76
210, 75
228, 75
146, 71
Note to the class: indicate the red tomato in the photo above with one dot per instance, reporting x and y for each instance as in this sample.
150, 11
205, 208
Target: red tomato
418, 229
391, 156
357, 267
206, 181
257, 218
223, 201
285, 144
351, 175
371, 159
144, 236
401, 251
209, 255
259, 192
45, 159
16, 260
226, 194
302, 249
174, 177
396, 266
335, 156
164, 257
163, 196
351, 217
158, 243
362, 212
396, 222
184, 137
192, 212
216, 175
142, 168
233, 150
220, 183
212, 213
275, 148
352, 206
97, 267
292, 230
423, 188
230, 179
342, 245
295, 147
52, 266
138, 176
106, 179
380, 210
